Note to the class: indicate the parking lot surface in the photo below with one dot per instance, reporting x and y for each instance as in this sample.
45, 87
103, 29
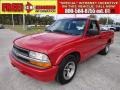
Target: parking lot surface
97, 73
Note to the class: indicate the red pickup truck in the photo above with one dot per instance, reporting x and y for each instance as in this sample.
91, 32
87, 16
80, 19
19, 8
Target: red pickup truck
54, 54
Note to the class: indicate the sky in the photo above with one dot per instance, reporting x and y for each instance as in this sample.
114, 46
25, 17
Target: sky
115, 17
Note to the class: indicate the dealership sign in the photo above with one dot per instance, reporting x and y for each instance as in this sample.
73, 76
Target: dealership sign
59, 7
28, 7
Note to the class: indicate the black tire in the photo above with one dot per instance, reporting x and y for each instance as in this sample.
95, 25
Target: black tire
61, 78
105, 51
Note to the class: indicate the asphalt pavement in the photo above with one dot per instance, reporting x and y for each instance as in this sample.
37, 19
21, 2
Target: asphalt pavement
97, 73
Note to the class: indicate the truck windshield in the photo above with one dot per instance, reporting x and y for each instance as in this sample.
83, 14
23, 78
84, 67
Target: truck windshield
68, 26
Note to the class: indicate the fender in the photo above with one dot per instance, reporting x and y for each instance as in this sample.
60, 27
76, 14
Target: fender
65, 53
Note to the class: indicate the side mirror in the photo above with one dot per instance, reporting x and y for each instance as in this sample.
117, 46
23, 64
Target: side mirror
92, 32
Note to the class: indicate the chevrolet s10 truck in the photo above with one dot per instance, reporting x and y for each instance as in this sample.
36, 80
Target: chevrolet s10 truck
54, 54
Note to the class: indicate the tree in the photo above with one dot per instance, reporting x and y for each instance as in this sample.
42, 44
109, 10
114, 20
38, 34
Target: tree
29, 19
117, 23
93, 16
103, 20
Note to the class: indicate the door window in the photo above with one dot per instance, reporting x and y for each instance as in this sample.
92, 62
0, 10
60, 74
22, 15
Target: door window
93, 26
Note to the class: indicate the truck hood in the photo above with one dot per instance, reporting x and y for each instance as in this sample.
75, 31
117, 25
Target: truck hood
44, 42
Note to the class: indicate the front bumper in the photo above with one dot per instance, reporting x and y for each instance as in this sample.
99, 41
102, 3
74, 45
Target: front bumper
40, 74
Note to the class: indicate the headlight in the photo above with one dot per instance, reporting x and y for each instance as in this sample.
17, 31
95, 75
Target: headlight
39, 59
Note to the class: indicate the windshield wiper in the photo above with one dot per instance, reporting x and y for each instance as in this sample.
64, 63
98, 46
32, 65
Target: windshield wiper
60, 31
48, 30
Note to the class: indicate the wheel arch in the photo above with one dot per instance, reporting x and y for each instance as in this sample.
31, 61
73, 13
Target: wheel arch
61, 57
109, 41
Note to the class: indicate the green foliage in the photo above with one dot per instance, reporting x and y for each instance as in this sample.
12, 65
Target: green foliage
29, 19
32, 30
117, 23
92, 16
103, 20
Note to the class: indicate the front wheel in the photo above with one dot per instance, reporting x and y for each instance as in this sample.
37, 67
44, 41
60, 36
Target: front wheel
105, 50
67, 69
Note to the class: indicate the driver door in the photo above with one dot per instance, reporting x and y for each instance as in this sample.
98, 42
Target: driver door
92, 42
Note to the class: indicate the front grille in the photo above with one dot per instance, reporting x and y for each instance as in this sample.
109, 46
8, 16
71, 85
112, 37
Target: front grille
21, 51
20, 54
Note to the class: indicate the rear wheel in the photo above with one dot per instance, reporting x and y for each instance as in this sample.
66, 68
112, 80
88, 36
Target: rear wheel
67, 69
105, 50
